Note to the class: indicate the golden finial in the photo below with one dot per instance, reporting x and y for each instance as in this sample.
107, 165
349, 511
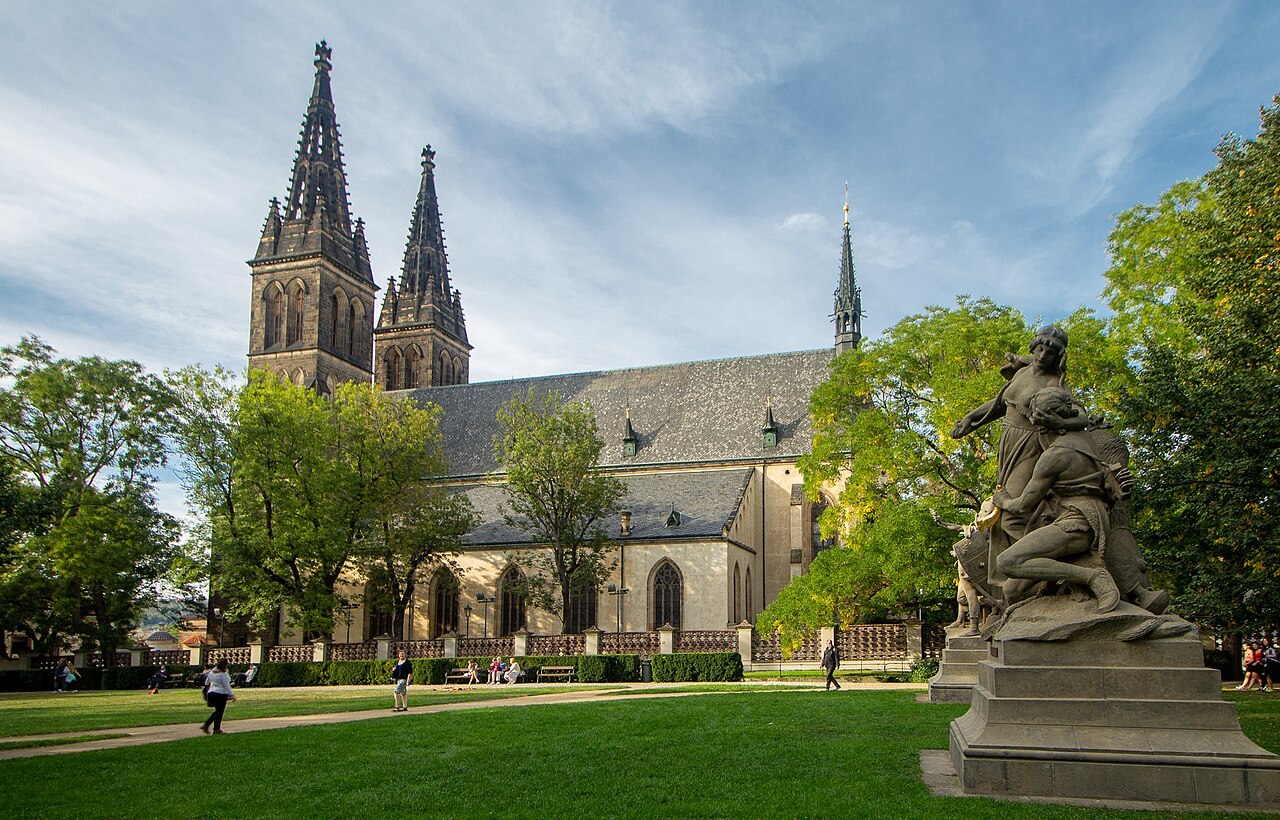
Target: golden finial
846, 203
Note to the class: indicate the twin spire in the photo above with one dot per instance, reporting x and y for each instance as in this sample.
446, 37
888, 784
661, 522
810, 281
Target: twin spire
848, 297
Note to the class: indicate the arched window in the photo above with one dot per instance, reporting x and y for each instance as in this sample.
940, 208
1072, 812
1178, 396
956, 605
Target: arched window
667, 595
356, 330
393, 367
583, 606
737, 594
296, 302
339, 321
411, 359
511, 616
378, 618
750, 606
819, 543
330, 386
446, 369
274, 325
444, 603
300, 377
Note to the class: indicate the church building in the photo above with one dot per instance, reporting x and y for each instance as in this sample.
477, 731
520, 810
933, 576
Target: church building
714, 523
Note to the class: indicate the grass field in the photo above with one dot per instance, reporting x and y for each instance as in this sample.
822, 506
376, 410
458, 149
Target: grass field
749, 754
31, 713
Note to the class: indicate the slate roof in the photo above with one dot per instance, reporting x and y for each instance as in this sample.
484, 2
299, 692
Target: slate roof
706, 501
707, 411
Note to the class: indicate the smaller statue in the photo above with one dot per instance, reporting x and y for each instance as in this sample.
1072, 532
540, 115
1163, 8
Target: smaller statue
975, 601
1067, 504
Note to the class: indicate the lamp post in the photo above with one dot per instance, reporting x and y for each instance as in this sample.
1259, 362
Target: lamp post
347, 606
222, 623
617, 594
467, 609
486, 601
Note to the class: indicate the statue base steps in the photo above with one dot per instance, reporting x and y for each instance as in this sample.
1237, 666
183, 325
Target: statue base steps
1109, 720
958, 669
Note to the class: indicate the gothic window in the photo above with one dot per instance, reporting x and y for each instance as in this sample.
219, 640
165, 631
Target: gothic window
737, 594
411, 358
511, 617
444, 603
300, 377
819, 543
275, 317
583, 605
378, 617
393, 368
294, 327
667, 595
750, 606
446, 369
356, 329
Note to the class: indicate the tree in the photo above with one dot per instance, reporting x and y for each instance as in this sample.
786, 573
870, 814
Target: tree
1207, 433
882, 426
556, 494
296, 490
80, 440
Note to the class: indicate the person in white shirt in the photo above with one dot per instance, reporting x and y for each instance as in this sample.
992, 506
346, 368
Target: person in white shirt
218, 692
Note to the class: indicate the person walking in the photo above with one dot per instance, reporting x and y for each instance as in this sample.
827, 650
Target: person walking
402, 675
72, 678
60, 678
220, 692
831, 662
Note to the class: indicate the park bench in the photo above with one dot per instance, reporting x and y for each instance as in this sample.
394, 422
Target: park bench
176, 682
462, 675
564, 673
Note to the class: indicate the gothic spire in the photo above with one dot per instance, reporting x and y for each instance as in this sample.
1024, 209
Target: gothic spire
426, 266
848, 297
319, 178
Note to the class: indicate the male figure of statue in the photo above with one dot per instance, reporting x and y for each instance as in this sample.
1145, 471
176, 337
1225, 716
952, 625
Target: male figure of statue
1077, 491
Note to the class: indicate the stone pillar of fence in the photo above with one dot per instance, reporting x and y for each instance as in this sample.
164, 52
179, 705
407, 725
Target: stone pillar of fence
915, 639
520, 643
746, 646
258, 651
826, 633
82, 659
451, 645
139, 655
666, 639
384, 647
591, 640
197, 654
320, 650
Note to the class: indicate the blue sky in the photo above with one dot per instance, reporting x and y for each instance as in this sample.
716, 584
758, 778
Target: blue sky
622, 184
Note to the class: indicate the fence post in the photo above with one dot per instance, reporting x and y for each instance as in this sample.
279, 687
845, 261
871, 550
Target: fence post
451, 645
139, 655
666, 639
257, 651
82, 659
520, 643
915, 639
591, 640
320, 650
746, 646
196, 655
826, 633
384, 647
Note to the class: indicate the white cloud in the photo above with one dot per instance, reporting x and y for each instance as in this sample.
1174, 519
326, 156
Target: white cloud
807, 221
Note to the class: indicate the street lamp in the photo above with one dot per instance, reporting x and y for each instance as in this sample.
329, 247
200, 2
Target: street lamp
617, 594
222, 623
347, 606
486, 601
467, 609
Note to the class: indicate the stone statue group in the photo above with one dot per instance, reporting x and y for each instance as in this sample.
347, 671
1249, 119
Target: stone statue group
1059, 519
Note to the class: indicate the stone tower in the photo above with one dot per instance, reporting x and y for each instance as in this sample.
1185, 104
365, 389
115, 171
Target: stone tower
848, 308
421, 333
313, 292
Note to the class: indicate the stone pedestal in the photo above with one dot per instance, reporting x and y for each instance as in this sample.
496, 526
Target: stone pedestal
1107, 719
958, 669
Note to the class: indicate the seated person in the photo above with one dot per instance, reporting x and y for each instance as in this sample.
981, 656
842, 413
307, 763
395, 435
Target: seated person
514, 672
473, 671
157, 680
245, 678
495, 669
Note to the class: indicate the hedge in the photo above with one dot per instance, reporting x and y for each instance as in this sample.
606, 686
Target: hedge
119, 677
695, 666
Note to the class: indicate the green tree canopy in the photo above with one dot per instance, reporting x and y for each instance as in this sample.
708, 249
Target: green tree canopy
549, 450
1195, 279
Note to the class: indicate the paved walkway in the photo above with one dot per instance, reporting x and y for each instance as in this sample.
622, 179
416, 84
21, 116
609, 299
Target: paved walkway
179, 731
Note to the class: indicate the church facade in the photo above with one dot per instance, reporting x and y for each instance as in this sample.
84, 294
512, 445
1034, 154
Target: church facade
715, 522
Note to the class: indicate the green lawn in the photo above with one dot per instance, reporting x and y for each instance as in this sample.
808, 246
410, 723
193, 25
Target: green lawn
750, 754
40, 713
